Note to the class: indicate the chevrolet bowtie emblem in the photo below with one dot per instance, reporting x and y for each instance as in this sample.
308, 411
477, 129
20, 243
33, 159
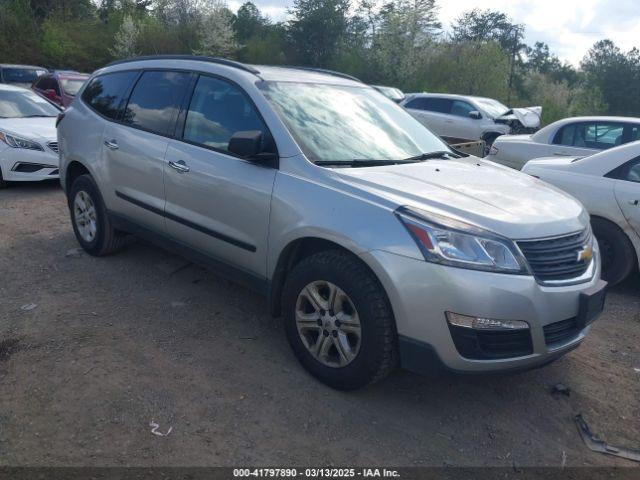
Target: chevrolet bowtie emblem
585, 254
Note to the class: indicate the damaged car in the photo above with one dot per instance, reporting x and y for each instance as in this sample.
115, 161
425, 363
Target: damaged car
461, 117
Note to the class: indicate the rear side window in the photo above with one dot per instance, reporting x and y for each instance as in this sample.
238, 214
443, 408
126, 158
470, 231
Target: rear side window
440, 105
106, 94
155, 101
218, 110
597, 135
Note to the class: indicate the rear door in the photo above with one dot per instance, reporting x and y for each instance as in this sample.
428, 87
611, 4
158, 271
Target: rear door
134, 148
627, 189
218, 203
432, 112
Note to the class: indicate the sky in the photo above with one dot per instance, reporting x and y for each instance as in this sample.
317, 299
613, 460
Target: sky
569, 27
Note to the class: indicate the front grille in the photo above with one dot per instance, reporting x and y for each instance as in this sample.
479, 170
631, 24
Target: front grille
557, 258
491, 344
562, 331
53, 146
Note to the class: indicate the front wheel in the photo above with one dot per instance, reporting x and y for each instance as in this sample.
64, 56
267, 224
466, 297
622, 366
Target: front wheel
338, 320
616, 251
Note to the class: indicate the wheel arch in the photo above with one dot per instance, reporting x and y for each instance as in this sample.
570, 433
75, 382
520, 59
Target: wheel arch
73, 170
294, 252
628, 233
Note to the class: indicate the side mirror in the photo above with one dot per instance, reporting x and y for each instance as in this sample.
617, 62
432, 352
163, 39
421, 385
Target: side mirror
248, 144
476, 115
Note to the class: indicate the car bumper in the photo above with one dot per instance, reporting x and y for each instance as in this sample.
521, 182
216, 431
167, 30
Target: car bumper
22, 165
420, 293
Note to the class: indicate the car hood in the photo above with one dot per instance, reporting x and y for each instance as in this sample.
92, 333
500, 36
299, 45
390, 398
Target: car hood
36, 128
528, 116
492, 197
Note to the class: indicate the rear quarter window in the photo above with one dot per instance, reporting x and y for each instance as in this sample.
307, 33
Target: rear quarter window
107, 93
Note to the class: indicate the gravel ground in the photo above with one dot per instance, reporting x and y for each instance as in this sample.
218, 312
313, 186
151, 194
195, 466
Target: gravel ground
92, 350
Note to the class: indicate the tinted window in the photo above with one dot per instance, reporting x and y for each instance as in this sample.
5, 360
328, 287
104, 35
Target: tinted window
461, 109
49, 83
416, 104
21, 75
218, 110
106, 93
597, 135
628, 171
155, 101
634, 135
633, 175
440, 105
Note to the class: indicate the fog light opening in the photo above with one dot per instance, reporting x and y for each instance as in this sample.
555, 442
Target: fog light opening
481, 323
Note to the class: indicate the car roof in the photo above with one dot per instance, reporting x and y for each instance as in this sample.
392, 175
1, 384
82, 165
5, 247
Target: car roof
263, 72
13, 65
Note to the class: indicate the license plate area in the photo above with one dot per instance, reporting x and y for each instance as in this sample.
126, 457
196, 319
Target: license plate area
592, 303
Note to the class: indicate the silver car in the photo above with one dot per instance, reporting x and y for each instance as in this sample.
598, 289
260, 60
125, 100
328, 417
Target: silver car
376, 243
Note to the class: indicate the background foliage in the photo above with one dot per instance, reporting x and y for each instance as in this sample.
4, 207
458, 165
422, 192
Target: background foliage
392, 42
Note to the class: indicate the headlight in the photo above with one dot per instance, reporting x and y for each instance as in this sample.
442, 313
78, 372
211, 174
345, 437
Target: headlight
458, 244
17, 142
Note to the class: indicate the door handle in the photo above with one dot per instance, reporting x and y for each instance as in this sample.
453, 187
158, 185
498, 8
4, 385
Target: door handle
112, 144
179, 166
634, 202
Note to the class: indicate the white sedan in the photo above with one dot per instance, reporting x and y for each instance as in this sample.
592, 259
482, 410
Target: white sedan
28, 143
577, 136
608, 185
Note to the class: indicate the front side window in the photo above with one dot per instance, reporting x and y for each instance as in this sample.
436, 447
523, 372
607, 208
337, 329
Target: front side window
440, 105
24, 105
334, 123
461, 109
106, 94
219, 109
155, 101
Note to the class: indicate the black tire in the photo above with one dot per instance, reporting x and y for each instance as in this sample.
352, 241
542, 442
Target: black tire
616, 250
377, 355
3, 184
107, 239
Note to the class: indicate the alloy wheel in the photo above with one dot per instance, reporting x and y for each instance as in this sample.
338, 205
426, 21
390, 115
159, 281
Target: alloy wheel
84, 212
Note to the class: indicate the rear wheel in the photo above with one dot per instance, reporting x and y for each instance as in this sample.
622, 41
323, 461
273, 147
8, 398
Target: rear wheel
616, 251
338, 320
91, 223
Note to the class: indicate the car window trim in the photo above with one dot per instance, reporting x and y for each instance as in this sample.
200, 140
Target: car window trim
175, 118
182, 116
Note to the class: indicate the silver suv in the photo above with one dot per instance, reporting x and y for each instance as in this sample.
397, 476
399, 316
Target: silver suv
377, 244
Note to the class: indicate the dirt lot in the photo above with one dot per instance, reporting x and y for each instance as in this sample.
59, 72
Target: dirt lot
93, 350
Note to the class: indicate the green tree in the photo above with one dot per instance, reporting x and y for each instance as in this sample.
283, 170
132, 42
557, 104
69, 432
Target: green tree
317, 29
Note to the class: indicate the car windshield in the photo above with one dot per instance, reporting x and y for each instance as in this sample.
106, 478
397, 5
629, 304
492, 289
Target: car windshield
334, 124
21, 75
23, 104
72, 85
493, 107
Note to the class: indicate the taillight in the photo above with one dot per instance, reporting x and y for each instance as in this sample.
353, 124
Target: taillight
59, 119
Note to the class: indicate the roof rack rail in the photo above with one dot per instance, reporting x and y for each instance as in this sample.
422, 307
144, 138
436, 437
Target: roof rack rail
328, 72
200, 58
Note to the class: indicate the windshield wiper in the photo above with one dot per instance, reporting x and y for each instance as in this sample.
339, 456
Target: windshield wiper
357, 162
444, 154
38, 116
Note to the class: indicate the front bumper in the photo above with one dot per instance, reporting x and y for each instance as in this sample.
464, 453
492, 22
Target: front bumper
22, 165
420, 293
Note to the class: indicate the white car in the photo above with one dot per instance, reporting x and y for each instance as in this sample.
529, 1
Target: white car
28, 143
577, 136
608, 185
469, 118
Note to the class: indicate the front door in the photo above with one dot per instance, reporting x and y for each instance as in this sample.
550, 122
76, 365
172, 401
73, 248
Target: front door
216, 202
628, 194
